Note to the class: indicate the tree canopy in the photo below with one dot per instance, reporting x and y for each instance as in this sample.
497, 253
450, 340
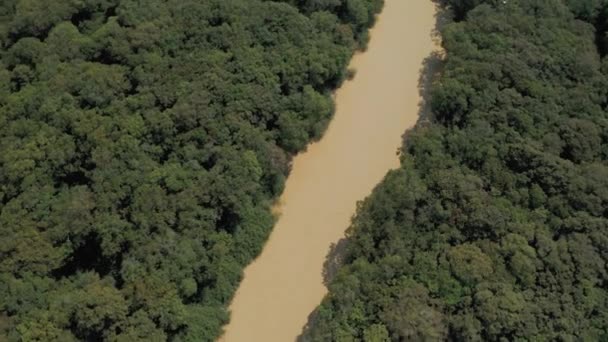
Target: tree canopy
142, 146
495, 227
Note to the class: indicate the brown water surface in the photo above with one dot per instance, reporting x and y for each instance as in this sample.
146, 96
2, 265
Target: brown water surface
285, 283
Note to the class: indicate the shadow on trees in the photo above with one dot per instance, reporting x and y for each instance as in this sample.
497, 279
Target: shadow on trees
331, 266
334, 260
430, 70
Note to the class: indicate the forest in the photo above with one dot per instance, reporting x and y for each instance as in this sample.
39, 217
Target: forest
495, 227
142, 145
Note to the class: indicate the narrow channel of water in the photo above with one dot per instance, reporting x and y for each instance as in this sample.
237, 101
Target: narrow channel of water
285, 283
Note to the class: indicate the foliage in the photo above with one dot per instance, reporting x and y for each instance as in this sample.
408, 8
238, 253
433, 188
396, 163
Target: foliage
142, 145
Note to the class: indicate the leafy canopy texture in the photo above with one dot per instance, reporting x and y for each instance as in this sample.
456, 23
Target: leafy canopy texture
142, 143
495, 228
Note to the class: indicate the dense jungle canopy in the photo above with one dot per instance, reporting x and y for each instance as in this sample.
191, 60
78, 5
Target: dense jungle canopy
142, 144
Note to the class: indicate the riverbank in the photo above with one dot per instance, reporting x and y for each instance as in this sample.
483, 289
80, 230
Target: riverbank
285, 283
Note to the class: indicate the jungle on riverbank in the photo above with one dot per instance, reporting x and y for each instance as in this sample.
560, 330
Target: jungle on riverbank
495, 228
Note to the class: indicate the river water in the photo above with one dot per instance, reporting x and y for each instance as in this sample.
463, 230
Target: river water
285, 283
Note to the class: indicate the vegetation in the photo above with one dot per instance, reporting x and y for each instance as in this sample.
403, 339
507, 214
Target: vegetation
496, 225
142, 145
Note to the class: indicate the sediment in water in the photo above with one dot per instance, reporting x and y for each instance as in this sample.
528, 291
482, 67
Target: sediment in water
285, 283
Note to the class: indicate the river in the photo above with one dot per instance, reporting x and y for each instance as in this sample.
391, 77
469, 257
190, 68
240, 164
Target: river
285, 283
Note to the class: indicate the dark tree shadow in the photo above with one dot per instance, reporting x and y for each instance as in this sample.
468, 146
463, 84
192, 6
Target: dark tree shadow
430, 71
331, 266
431, 67
305, 335
334, 260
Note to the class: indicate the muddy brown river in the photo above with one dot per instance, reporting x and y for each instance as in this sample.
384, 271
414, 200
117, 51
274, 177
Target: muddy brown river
285, 283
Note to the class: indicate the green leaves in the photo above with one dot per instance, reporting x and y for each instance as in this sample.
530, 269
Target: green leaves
142, 146
469, 264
